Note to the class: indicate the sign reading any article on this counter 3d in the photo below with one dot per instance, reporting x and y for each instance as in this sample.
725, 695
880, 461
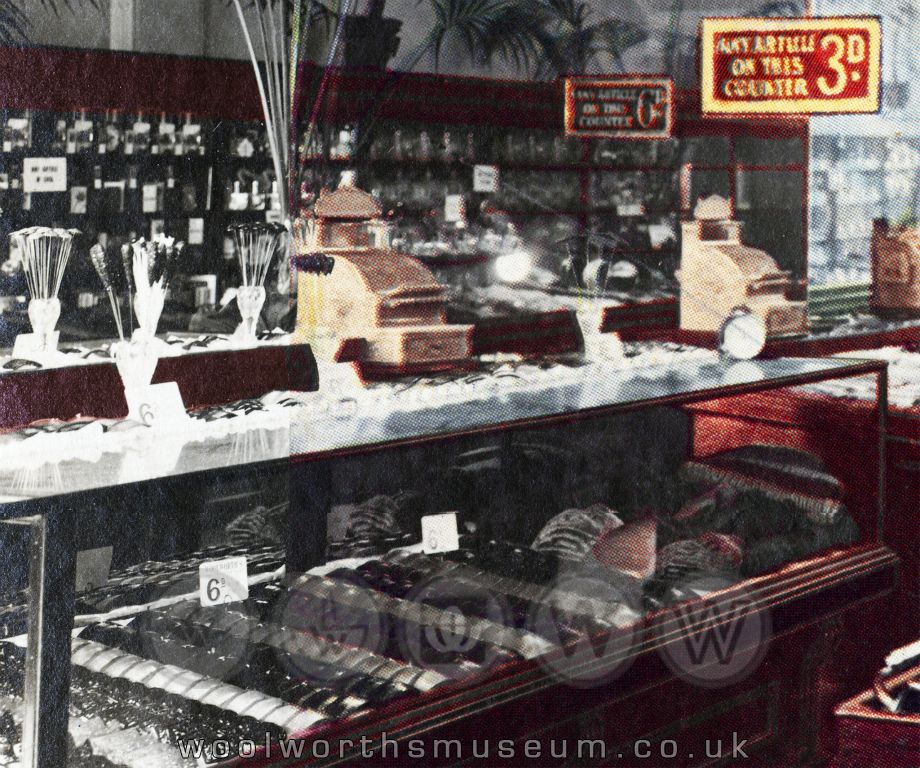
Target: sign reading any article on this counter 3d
791, 66
619, 107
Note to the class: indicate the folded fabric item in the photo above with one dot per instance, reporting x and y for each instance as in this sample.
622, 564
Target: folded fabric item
782, 466
375, 517
599, 609
630, 548
373, 527
519, 641
504, 558
772, 552
712, 510
821, 507
253, 528
152, 674
711, 553
347, 548
573, 533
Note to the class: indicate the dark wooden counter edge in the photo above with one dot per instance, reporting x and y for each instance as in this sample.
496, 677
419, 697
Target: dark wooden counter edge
204, 378
873, 736
842, 578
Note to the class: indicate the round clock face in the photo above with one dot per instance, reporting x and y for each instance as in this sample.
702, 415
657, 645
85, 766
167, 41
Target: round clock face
743, 336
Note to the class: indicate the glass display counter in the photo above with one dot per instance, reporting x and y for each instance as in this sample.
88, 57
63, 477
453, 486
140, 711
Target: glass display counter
450, 550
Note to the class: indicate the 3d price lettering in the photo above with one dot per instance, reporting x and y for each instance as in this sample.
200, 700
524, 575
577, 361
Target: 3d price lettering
791, 66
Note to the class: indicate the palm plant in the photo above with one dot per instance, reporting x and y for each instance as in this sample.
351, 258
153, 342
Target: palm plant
14, 23
483, 27
542, 38
574, 43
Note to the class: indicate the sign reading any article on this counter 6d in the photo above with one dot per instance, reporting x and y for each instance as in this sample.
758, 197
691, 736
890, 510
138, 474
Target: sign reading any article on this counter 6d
791, 66
621, 108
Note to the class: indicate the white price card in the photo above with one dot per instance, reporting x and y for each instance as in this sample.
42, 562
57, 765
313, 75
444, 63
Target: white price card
28, 345
631, 209
439, 533
453, 208
485, 178
93, 567
223, 581
150, 202
157, 405
44, 174
195, 231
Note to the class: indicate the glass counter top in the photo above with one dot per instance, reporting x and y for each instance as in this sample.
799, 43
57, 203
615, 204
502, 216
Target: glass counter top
344, 417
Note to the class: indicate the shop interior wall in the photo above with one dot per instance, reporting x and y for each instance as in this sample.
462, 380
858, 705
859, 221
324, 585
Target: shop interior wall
867, 166
211, 28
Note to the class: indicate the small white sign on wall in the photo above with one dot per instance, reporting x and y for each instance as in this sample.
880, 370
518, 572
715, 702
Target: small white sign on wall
485, 178
44, 174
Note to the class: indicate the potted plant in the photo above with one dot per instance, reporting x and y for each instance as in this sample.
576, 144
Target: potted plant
371, 40
15, 22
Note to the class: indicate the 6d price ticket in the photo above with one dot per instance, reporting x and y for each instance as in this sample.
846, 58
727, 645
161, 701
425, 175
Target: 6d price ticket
223, 581
791, 66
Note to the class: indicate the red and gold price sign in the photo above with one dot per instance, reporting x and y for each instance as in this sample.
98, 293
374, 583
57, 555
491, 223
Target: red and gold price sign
619, 107
791, 66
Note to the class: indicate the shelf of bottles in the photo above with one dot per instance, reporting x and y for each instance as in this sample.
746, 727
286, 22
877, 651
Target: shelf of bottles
553, 187
130, 176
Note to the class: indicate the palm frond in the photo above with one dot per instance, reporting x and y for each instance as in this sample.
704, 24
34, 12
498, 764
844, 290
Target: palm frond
780, 9
579, 43
15, 24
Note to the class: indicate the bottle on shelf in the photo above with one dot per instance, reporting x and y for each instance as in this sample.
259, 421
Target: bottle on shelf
256, 198
449, 149
470, 153
425, 150
140, 137
165, 139
80, 136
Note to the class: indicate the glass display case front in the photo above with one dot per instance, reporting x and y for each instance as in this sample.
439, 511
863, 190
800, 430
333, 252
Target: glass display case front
405, 544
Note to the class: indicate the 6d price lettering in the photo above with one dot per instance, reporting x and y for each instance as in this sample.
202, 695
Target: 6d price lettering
214, 588
223, 581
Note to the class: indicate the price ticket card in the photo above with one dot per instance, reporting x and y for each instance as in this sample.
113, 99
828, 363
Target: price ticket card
439, 533
223, 581
29, 345
157, 405
485, 178
44, 174
93, 567
453, 208
791, 66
